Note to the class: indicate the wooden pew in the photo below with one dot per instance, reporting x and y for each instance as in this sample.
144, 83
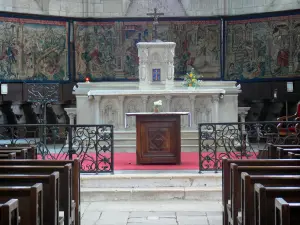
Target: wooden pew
50, 190
11, 155
247, 191
253, 162
286, 213
20, 154
235, 178
264, 201
292, 155
31, 149
282, 153
30, 202
9, 212
75, 173
65, 180
272, 149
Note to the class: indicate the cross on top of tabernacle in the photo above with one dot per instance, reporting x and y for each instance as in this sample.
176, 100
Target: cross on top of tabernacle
155, 22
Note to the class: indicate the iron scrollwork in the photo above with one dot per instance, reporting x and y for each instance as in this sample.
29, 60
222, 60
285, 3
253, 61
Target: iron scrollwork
92, 144
241, 140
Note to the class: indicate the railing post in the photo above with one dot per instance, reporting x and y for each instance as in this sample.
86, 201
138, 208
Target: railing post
112, 149
70, 139
200, 146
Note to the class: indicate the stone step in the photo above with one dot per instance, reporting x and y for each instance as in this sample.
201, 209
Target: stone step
132, 134
132, 141
151, 180
151, 186
132, 148
166, 193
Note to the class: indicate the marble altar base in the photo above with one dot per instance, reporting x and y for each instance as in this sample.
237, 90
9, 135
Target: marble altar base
107, 103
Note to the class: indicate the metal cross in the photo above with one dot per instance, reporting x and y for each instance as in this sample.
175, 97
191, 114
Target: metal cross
155, 22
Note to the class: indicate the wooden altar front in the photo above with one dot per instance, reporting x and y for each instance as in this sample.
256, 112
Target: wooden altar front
158, 137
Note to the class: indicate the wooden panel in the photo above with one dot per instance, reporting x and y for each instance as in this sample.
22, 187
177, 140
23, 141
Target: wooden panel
158, 139
67, 92
15, 92
256, 91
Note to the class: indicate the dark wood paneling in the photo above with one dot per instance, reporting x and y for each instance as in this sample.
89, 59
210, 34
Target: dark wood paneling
256, 91
15, 92
67, 92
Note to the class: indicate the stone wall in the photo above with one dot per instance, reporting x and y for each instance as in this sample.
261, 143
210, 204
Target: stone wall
121, 8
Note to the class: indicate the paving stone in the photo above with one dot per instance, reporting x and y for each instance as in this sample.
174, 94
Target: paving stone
113, 218
142, 220
191, 220
148, 214
191, 213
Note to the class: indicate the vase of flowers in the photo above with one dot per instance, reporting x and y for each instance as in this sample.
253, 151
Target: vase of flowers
157, 105
190, 80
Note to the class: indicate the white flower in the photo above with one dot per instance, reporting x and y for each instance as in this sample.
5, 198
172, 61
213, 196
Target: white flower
159, 102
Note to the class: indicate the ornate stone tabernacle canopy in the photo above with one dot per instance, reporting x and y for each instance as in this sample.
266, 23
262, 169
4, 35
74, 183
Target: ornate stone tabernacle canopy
156, 64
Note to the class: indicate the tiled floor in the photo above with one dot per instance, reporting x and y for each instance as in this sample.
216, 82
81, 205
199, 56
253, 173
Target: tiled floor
175, 212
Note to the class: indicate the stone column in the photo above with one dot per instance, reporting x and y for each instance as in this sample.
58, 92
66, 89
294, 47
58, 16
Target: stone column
243, 111
97, 110
71, 112
144, 100
192, 101
122, 115
168, 100
215, 108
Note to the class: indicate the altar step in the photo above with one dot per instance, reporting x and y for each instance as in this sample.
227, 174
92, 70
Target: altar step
185, 186
125, 141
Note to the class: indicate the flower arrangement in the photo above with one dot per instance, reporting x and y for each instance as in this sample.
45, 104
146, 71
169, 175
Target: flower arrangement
157, 105
190, 79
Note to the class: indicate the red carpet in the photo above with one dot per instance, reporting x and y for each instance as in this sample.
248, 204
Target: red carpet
127, 161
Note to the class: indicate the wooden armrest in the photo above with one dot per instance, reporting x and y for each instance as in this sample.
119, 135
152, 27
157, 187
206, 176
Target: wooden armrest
283, 118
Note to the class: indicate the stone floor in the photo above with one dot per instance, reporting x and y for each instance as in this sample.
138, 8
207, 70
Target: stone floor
175, 212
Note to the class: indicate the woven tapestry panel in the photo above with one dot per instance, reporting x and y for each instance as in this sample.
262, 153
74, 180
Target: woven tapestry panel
263, 48
33, 50
107, 50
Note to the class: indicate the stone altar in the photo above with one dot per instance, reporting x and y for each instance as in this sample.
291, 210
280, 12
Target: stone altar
108, 102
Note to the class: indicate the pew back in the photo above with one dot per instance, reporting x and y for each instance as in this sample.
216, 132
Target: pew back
65, 180
30, 202
9, 212
286, 213
264, 201
282, 153
50, 190
247, 190
75, 173
272, 149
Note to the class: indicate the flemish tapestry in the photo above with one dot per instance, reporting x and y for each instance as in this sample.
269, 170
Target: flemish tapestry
33, 50
107, 50
263, 48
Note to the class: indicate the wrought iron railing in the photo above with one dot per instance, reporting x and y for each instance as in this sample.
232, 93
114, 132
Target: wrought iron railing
93, 144
241, 140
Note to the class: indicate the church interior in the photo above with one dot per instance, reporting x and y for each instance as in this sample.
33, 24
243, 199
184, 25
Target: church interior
171, 102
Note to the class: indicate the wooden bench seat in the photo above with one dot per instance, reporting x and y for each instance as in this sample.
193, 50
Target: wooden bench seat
264, 201
75, 173
11, 155
235, 178
253, 162
282, 153
31, 149
272, 149
20, 154
30, 202
286, 213
50, 191
9, 212
65, 179
292, 155
247, 191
